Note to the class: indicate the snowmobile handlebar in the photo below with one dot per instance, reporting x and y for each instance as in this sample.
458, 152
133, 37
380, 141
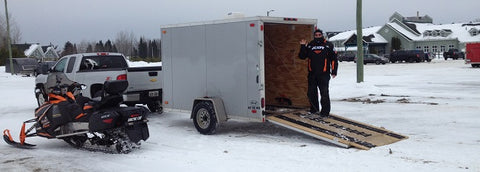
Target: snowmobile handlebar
63, 88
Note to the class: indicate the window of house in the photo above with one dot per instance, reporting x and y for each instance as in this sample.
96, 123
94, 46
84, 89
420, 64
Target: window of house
451, 47
419, 47
434, 48
442, 48
426, 49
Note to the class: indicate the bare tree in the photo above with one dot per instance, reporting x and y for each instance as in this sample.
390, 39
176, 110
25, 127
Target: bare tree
83, 45
125, 42
15, 33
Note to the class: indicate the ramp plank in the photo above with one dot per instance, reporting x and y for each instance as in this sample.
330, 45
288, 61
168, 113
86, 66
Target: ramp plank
338, 129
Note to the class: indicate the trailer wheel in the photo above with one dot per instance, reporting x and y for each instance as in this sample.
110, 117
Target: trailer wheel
40, 95
204, 117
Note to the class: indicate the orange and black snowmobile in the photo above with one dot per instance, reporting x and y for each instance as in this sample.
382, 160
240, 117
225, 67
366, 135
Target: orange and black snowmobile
94, 124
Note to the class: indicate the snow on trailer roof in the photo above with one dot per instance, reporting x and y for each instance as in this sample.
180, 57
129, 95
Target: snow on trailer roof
265, 19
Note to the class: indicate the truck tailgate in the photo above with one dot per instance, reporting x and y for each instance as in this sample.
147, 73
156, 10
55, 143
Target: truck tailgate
144, 78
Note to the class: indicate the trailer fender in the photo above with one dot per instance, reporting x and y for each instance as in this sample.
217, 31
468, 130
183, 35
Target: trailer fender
218, 106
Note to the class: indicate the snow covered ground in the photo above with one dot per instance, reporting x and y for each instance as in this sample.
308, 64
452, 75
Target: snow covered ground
436, 104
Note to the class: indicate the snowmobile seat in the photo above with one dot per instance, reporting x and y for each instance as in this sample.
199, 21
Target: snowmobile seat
115, 87
112, 93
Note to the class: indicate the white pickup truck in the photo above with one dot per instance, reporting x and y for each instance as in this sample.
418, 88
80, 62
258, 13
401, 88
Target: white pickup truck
93, 69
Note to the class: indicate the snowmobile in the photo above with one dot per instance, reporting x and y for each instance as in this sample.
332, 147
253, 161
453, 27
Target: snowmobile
97, 124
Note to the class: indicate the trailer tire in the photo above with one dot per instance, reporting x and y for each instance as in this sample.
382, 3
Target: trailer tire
204, 117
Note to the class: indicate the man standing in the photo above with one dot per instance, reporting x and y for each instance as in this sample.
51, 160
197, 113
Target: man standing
322, 62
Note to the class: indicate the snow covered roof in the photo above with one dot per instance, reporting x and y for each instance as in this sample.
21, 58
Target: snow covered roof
458, 30
35, 50
365, 32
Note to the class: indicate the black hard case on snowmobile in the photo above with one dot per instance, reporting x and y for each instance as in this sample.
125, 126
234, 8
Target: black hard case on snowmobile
135, 122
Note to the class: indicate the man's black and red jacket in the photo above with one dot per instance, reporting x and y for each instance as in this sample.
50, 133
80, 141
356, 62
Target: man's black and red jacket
322, 58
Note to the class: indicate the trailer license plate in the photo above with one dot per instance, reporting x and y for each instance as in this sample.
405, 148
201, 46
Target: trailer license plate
153, 94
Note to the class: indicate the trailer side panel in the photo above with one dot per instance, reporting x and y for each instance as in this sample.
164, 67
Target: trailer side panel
187, 70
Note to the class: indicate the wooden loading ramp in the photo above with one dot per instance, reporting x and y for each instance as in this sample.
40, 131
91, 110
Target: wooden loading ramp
337, 130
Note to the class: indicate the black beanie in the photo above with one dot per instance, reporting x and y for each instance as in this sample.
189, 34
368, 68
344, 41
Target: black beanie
318, 30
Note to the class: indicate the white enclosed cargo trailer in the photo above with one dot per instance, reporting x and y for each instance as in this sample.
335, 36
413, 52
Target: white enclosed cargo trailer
246, 63
248, 68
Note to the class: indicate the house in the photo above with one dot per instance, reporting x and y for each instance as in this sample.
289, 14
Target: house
36, 51
417, 32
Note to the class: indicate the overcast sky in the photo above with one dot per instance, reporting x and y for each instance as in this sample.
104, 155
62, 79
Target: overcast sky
58, 21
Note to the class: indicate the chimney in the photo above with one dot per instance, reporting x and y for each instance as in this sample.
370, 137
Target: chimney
418, 15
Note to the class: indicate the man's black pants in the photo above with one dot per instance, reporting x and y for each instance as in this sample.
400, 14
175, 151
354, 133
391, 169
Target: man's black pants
321, 82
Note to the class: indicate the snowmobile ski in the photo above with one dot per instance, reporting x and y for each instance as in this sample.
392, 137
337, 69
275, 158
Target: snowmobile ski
8, 138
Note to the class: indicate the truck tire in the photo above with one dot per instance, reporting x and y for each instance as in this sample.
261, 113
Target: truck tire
40, 95
155, 106
204, 117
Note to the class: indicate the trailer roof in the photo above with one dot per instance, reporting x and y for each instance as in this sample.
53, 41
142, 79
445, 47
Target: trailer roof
265, 19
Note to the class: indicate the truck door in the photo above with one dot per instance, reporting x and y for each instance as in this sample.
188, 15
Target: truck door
69, 71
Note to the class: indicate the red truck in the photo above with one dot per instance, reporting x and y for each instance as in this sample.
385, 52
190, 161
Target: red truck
473, 54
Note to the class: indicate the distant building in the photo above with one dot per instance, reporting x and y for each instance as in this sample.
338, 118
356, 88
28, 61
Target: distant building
36, 51
413, 32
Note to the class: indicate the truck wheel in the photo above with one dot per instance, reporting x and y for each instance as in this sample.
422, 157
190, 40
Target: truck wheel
41, 96
204, 118
155, 106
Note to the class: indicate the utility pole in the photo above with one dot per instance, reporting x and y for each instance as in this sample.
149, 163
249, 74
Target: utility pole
359, 43
9, 44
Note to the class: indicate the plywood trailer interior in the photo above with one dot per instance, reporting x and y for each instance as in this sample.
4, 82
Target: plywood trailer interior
285, 73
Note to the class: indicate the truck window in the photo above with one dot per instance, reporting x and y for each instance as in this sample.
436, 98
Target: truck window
103, 62
71, 63
60, 66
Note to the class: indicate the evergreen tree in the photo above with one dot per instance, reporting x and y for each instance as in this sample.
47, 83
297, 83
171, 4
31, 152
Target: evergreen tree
108, 46
150, 49
142, 48
99, 47
134, 52
68, 49
114, 48
155, 48
89, 48
396, 43
4, 55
